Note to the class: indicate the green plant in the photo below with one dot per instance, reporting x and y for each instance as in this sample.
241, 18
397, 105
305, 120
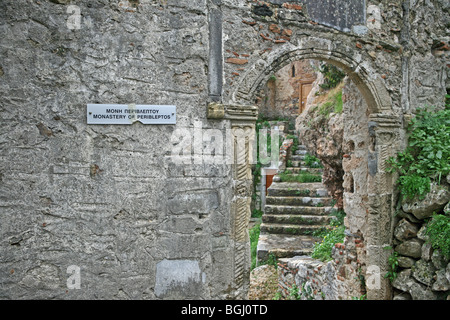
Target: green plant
271, 260
294, 293
322, 250
332, 76
304, 192
438, 230
278, 296
363, 297
254, 236
256, 213
427, 156
393, 265
312, 161
333, 104
330, 236
307, 292
337, 218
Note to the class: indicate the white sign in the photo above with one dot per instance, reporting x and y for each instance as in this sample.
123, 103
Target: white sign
129, 114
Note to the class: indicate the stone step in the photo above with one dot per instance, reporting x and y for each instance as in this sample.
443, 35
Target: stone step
295, 219
297, 157
297, 163
301, 147
283, 246
291, 229
300, 152
286, 210
305, 169
292, 177
299, 201
312, 189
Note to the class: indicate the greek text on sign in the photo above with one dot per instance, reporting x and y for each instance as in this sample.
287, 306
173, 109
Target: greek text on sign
129, 114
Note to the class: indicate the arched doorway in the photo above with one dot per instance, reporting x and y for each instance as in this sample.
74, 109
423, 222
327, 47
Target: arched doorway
382, 132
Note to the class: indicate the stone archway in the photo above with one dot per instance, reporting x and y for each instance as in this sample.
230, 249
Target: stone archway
383, 132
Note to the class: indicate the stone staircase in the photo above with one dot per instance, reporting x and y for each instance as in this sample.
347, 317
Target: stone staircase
293, 212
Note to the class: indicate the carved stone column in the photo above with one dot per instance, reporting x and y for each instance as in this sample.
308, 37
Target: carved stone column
384, 132
242, 119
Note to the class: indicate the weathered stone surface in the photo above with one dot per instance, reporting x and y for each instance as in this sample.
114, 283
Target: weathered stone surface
405, 262
424, 272
422, 233
447, 209
447, 272
405, 230
402, 296
427, 251
236, 61
198, 202
404, 281
61, 1
341, 15
408, 216
179, 278
439, 260
441, 284
434, 201
421, 292
410, 248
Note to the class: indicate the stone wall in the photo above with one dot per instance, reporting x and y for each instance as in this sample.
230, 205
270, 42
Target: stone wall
323, 133
342, 278
108, 199
423, 272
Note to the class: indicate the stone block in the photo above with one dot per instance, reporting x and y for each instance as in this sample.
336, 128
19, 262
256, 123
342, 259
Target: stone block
423, 272
421, 292
405, 230
447, 272
194, 202
439, 260
404, 281
434, 201
405, 262
410, 248
179, 279
402, 296
441, 284
427, 251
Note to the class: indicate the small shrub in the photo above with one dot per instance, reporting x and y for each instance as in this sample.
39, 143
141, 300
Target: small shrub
322, 250
312, 161
254, 236
427, 156
438, 230
393, 265
271, 261
332, 76
257, 213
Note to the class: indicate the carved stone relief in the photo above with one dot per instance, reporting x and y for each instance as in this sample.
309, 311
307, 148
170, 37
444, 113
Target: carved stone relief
243, 120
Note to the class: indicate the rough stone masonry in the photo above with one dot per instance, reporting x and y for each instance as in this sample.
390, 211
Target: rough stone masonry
109, 201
